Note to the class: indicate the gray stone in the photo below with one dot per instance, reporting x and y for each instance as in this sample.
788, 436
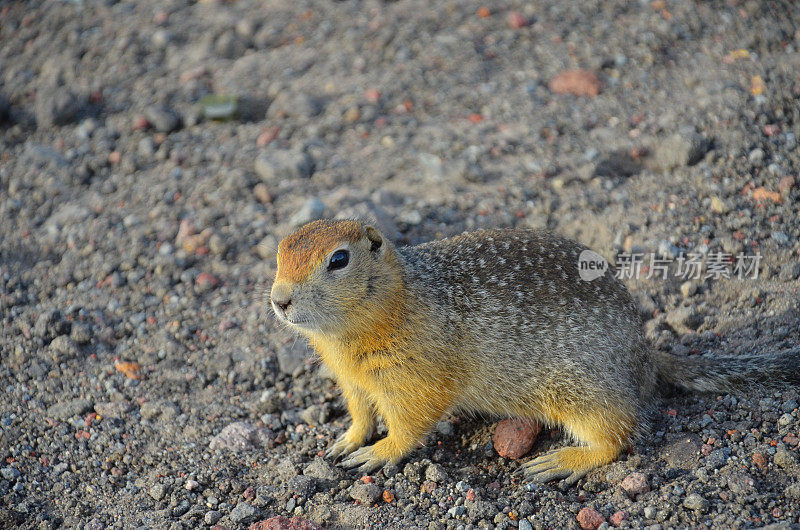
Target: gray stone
65, 411
717, 458
789, 405
445, 428
436, 473
56, 106
315, 414
94, 524
792, 491
243, 513
112, 409
229, 45
413, 217
667, 249
240, 436
431, 166
680, 150
688, 289
146, 148
696, 502
756, 155
366, 494
157, 491
741, 483
63, 348
319, 468
456, 511
312, 210
285, 469
161, 38
784, 458
81, 333
780, 237
10, 473
277, 165
302, 485
291, 356
524, 525
212, 517
684, 319
157, 410
162, 119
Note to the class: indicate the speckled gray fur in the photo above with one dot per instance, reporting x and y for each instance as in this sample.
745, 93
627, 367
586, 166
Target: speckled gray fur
518, 292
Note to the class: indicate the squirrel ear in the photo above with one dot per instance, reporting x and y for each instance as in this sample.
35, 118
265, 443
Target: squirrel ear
374, 237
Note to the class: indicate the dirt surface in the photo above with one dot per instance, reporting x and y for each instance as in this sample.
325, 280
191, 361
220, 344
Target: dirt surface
145, 384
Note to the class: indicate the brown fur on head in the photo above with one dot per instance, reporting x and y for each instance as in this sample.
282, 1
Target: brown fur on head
317, 298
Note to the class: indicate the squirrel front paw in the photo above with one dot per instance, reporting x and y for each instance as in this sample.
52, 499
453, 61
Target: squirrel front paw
348, 442
372, 457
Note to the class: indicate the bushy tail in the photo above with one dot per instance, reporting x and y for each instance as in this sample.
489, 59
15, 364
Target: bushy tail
725, 374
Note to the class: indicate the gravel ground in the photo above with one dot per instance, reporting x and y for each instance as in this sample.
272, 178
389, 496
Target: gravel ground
144, 383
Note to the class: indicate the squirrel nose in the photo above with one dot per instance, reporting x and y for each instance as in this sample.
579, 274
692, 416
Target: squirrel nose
282, 304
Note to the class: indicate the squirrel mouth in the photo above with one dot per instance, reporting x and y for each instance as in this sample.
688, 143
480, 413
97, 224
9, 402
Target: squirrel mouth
298, 322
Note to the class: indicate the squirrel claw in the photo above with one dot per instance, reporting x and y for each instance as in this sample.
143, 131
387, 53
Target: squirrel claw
549, 467
341, 447
364, 459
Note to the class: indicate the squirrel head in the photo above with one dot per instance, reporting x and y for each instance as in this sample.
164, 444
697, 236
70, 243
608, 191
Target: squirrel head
333, 276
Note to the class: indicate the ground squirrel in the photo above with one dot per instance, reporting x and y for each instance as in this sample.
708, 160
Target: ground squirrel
492, 321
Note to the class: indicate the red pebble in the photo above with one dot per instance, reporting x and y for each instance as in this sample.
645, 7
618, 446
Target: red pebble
160, 18
249, 493
589, 518
267, 136
372, 95
617, 518
140, 123
635, 484
514, 438
517, 20
205, 279
576, 82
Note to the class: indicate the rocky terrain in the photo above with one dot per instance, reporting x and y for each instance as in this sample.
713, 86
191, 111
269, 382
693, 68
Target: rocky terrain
153, 153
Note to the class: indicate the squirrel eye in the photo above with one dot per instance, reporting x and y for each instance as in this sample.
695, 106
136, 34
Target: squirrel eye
339, 260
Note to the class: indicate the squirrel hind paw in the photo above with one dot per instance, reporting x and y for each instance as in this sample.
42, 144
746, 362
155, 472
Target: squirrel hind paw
568, 463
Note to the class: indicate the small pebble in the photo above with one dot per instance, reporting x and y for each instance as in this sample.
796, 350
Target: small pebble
635, 484
590, 519
576, 82
513, 438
